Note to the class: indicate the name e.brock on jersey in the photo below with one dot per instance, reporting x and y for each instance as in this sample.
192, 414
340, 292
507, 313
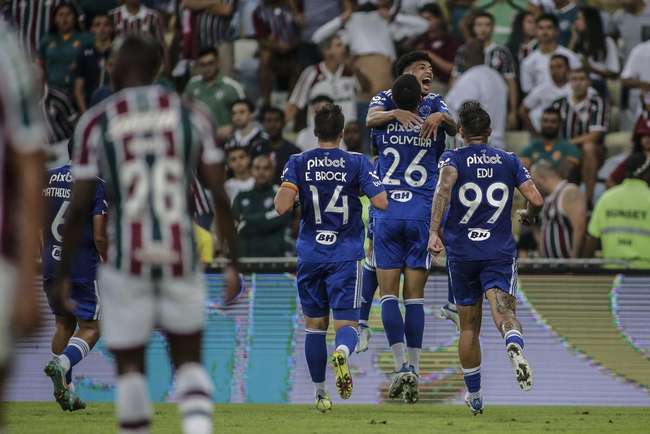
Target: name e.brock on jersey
326, 175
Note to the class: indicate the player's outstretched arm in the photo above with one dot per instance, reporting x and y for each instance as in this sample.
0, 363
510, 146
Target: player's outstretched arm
213, 177
446, 182
439, 119
285, 198
377, 117
535, 200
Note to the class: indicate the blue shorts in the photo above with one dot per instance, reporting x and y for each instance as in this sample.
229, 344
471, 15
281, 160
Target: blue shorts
85, 296
469, 280
401, 243
332, 285
371, 227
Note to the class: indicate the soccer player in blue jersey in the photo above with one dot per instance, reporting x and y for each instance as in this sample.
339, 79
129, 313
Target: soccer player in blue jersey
408, 147
328, 182
478, 182
76, 332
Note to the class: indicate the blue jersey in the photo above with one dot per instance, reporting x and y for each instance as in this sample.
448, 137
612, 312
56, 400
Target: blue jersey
329, 183
407, 163
58, 193
479, 222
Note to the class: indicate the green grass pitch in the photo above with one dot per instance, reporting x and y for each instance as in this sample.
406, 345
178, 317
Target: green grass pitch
41, 418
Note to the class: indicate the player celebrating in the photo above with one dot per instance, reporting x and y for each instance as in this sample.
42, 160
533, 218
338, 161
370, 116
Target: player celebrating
328, 182
147, 144
478, 181
409, 144
70, 345
22, 136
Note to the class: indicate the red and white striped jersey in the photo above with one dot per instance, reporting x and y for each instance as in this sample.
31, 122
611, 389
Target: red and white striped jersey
21, 126
147, 143
557, 232
145, 22
32, 19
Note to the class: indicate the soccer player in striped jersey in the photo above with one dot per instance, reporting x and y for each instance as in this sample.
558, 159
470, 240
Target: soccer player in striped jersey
70, 345
477, 182
133, 18
22, 139
328, 182
147, 143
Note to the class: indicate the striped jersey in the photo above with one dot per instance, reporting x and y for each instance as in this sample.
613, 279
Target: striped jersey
59, 114
21, 125
213, 29
556, 227
497, 57
146, 143
276, 22
145, 22
587, 116
32, 19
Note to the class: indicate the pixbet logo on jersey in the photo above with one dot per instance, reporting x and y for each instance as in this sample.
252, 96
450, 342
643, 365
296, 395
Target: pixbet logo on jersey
326, 238
483, 159
61, 177
326, 175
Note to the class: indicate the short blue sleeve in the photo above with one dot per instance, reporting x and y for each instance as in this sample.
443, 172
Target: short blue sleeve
441, 105
382, 100
521, 173
448, 158
290, 174
368, 179
101, 206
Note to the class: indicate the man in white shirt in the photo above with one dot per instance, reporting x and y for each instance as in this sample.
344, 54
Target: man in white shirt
631, 24
482, 83
239, 163
543, 95
535, 67
636, 76
306, 139
331, 77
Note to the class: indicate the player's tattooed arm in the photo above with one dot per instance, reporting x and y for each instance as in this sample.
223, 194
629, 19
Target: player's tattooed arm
535, 200
446, 182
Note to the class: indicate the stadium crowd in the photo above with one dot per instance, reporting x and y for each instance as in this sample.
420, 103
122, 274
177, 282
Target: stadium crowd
566, 84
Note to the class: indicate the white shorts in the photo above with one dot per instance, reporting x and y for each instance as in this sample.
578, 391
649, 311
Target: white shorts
133, 306
7, 282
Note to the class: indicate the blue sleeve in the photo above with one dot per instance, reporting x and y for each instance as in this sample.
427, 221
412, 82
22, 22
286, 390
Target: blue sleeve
381, 100
441, 105
447, 159
521, 173
368, 179
101, 206
289, 174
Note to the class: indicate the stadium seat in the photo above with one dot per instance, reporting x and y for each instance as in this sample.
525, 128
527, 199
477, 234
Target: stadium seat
618, 142
516, 141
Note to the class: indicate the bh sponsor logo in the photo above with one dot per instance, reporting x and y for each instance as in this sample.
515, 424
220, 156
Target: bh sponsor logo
478, 234
326, 238
401, 195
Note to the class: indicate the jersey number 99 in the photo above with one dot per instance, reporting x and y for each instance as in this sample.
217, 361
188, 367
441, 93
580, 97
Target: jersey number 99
473, 204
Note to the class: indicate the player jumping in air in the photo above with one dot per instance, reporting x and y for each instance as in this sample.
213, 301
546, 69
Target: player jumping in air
409, 126
478, 182
69, 344
147, 144
328, 182
22, 136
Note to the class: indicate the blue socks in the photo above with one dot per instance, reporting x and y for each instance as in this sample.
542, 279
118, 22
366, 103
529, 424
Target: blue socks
74, 353
414, 330
472, 379
316, 354
367, 293
514, 337
346, 339
392, 319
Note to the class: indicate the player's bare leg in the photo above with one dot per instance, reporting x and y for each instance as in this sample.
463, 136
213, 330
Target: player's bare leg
132, 402
503, 306
414, 281
193, 385
316, 355
64, 328
469, 353
391, 316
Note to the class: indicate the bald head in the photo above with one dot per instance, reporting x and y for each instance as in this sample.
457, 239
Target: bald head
546, 176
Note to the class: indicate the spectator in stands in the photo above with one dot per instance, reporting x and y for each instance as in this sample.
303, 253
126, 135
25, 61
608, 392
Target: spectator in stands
496, 56
439, 44
306, 138
261, 230
584, 123
91, 72
641, 145
631, 25
551, 147
535, 68
60, 48
278, 34
239, 164
566, 12
544, 94
636, 77
598, 51
564, 216
313, 14
522, 40
353, 137
621, 218
215, 90
333, 77
133, 18
248, 134
279, 148
482, 83
213, 26
371, 31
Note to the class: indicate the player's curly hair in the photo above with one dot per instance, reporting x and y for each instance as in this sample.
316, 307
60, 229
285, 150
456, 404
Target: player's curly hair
474, 120
329, 122
410, 58
406, 92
